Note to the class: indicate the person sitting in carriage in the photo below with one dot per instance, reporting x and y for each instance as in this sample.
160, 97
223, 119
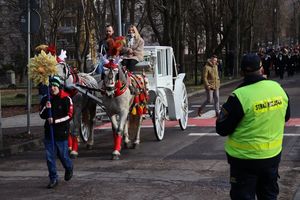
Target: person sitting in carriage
134, 50
104, 47
128, 51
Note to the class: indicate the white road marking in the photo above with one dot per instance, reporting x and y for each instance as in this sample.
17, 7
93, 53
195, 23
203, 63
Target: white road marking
207, 115
197, 106
203, 134
215, 134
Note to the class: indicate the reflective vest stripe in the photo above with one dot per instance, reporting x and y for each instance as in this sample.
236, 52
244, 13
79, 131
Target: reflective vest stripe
263, 146
62, 119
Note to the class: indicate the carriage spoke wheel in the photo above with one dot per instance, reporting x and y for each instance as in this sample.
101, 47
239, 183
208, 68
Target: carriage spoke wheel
84, 131
183, 121
159, 113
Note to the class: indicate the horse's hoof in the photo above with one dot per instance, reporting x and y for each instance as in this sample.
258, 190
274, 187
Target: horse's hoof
73, 154
115, 155
127, 145
89, 146
135, 146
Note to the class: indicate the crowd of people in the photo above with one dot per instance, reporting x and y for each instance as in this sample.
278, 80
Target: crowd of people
282, 61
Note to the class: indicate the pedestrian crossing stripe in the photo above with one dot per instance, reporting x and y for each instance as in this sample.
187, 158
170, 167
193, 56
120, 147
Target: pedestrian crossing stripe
194, 122
215, 134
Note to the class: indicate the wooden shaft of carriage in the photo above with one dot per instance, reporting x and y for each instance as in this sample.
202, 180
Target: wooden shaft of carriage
87, 93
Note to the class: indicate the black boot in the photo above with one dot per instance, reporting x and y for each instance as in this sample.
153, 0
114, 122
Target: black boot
68, 174
200, 111
52, 184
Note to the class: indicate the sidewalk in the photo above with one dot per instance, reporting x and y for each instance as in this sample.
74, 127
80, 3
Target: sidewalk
21, 121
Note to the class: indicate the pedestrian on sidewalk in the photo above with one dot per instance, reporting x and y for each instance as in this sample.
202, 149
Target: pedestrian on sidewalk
253, 118
211, 81
56, 143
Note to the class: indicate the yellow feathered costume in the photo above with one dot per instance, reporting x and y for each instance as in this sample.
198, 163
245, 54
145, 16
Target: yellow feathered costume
41, 67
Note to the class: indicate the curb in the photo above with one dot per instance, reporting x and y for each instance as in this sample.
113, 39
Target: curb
297, 195
201, 91
19, 148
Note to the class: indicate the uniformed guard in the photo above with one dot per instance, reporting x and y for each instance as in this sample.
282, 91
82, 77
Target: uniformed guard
253, 118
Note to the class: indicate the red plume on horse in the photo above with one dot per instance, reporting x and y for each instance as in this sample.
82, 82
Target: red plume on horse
115, 46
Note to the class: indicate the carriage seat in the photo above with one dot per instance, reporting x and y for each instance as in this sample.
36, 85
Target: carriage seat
142, 66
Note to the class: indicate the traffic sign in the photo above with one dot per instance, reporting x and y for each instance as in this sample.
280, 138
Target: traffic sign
35, 21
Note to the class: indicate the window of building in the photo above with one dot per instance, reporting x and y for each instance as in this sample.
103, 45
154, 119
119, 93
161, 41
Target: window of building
68, 22
71, 55
69, 38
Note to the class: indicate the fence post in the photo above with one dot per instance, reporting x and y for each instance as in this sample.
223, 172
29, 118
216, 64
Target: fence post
1, 136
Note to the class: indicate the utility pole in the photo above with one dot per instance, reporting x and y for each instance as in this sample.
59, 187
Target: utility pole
1, 135
118, 16
294, 23
28, 78
237, 50
276, 23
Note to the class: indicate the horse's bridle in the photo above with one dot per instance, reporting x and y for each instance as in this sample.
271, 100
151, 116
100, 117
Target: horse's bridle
117, 88
68, 71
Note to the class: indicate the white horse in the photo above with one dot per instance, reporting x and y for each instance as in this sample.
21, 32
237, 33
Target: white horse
84, 107
119, 102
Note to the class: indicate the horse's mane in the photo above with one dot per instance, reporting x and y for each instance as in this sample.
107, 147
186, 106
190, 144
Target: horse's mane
86, 79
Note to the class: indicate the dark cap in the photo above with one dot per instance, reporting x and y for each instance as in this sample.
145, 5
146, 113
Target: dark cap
55, 81
250, 62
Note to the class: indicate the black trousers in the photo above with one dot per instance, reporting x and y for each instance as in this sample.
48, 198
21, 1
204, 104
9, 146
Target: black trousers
248, 182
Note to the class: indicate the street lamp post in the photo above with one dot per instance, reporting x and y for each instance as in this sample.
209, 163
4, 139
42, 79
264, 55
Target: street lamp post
237, 38
1, 134
119, 20
28, 78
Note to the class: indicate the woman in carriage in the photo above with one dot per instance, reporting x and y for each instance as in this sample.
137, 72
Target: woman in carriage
134, 51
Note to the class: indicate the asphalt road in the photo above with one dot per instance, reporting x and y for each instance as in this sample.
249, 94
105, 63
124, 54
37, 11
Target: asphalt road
187, 165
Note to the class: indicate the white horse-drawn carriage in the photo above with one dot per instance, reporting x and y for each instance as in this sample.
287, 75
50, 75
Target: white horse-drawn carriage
167, 91
166, 96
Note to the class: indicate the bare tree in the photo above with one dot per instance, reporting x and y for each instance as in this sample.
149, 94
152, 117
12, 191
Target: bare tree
100, 18
83, 33
166, 19
194, 32
53, 13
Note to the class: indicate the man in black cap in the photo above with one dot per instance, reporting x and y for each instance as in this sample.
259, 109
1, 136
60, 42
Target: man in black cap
253, 118
57, 129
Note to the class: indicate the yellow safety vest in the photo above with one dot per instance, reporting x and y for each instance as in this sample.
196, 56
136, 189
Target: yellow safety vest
259, 134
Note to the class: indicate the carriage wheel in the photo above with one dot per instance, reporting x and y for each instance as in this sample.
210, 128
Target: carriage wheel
158, 118
183, 121
84, 131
